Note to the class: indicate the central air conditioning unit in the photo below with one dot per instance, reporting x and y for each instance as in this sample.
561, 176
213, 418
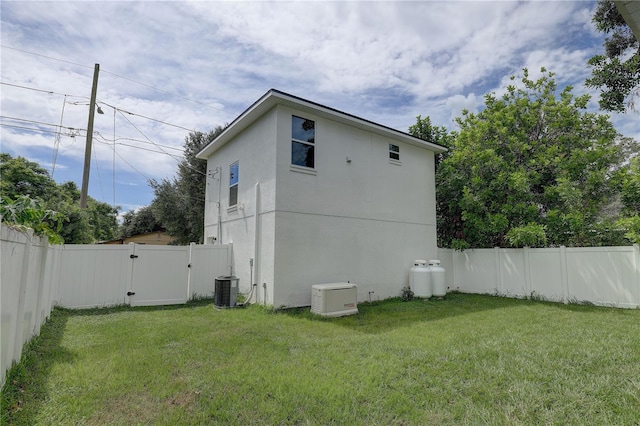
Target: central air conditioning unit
334, 300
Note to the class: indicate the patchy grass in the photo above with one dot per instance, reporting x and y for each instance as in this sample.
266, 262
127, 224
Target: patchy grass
468, 359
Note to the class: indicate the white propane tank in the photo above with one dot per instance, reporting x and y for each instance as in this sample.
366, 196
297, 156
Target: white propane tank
437, 278
420, 279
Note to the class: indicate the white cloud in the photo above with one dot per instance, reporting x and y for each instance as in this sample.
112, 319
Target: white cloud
199, 64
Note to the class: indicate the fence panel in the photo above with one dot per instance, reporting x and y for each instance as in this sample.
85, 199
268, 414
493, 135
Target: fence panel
513, 270
25, 300
32, 293
207, 262
93, 276
546, 274
159, 275
600, 275
604, 275
14, 246
477, 270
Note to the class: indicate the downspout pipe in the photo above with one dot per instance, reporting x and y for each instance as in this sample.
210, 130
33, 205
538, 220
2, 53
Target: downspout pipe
256, 239
219, 233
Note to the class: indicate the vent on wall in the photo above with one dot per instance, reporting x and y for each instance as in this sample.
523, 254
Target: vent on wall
334, 300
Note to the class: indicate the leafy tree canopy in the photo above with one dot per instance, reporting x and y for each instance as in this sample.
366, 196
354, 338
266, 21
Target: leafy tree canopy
139, 222
534, 169
179, 202
617, 72
22, 178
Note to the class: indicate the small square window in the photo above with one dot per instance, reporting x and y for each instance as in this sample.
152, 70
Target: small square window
394, 152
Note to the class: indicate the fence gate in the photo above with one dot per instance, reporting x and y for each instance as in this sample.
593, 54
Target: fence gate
158, 275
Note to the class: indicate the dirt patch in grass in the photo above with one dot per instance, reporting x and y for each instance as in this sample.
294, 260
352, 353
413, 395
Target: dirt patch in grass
138, 408
184, 399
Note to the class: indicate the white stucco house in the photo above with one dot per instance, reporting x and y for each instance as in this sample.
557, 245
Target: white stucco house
308, 195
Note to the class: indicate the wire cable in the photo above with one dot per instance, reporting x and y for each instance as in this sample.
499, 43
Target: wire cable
119, 76
95, 162
38, 130
56, 142
50, 92
114, 159
44, 56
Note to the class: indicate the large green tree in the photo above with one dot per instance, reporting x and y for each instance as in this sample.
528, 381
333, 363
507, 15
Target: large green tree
20, 178
139, 222
617, 72
532, 168
426, 130
179, 202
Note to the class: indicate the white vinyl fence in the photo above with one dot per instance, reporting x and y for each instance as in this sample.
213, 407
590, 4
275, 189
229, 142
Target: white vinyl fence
28, 265
36, 276
608, 276
138, 275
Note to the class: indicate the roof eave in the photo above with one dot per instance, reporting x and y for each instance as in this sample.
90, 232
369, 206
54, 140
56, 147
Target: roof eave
275, 97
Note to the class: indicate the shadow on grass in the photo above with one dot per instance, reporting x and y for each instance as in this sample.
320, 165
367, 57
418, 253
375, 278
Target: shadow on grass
25, 390
386, 315
127, 308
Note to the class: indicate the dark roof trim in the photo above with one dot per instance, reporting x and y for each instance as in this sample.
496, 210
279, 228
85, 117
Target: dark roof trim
274, 97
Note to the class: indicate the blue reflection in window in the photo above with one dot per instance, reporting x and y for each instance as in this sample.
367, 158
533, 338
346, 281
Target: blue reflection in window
303, 129
233, 173
302, 154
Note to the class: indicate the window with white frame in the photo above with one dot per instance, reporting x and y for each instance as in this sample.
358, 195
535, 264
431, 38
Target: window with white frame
303, 142
234, 169
394, 152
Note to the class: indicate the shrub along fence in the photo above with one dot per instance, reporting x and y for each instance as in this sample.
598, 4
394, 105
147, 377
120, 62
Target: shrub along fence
608, 276
36, 276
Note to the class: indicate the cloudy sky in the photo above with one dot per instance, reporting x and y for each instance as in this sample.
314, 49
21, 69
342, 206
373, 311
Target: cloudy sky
170, 67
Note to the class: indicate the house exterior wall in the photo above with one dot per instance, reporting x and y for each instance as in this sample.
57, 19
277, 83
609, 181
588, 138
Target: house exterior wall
255, 150
363, 221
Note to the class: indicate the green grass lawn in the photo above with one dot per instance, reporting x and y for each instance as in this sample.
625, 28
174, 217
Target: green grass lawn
469, 359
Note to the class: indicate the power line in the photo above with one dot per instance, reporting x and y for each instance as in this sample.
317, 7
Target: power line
37, 130
168, 93
159, 121
30, 88
95, 162
76, 132
56, 143
107, 142
36, 122
140, 140
143, 116
44, 56
120, 76
145, 136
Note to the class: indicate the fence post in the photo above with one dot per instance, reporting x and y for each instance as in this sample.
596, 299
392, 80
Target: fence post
55, 276
24, 280
527, 272
496, 252
636, 255
132, 253
42, 277
191, 247
453, 270
564, 278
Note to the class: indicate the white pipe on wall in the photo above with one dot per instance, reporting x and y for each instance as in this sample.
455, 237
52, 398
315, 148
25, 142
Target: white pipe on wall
256, 240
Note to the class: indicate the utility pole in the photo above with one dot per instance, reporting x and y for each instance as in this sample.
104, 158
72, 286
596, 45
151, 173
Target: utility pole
87, 149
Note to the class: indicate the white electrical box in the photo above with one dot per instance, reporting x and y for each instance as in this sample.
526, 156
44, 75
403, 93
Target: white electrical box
334, 300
